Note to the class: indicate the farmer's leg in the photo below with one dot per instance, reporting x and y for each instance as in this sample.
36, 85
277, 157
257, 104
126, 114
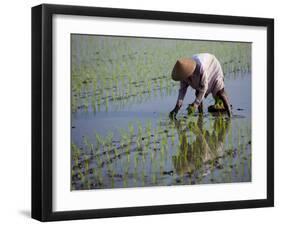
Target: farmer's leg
200, 107
223, 96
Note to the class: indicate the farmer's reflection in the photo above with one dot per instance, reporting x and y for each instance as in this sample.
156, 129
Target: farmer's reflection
207, 146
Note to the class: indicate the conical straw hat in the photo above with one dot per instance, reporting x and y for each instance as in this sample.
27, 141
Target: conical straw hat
183, 69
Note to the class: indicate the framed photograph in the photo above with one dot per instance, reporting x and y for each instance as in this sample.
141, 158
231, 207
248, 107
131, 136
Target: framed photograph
145, 112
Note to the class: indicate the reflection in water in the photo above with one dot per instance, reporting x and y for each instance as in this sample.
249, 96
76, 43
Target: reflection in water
196, 150
207, 145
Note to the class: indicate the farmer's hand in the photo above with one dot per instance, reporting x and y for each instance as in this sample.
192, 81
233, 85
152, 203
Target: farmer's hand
174, 112
191, 108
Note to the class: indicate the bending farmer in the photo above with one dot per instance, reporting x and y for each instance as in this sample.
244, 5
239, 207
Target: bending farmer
203, 73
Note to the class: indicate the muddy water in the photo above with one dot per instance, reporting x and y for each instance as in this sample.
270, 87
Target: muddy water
140, 146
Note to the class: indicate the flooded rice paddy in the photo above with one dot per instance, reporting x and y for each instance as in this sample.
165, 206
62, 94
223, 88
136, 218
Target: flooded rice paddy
121, 134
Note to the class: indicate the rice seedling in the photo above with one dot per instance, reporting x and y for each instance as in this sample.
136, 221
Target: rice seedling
131, 129
115, 152
108, 140
99, 102
99, 141
124, 137
106, 100
86, 162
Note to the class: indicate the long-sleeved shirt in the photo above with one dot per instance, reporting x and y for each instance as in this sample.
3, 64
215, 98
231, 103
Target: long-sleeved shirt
207, 78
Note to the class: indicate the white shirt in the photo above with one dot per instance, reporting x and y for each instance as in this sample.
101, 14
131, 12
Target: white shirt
207, 79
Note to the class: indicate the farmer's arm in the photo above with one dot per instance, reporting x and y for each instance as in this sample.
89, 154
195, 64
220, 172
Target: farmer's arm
203, 87
182, 92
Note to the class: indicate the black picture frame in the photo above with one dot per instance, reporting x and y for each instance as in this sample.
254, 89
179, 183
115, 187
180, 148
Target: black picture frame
42, 107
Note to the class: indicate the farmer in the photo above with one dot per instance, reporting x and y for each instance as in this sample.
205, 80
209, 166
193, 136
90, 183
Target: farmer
203, 73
